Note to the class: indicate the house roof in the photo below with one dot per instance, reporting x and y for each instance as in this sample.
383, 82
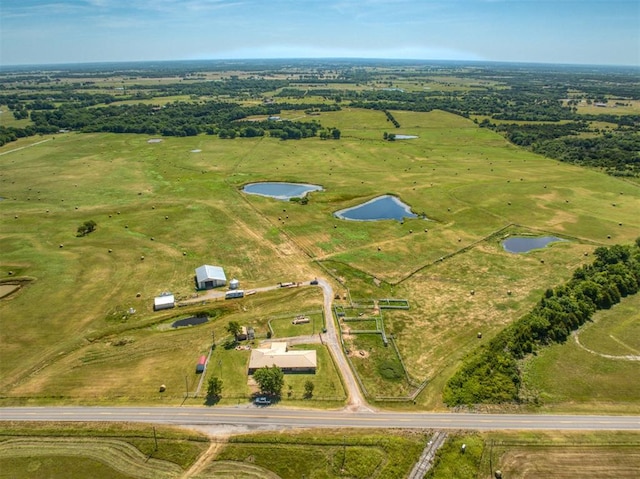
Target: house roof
278, 355
206, 272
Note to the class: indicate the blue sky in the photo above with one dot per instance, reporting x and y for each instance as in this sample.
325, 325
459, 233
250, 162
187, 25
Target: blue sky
604, 32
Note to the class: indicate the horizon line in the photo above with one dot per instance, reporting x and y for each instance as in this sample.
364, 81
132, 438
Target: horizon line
328, 58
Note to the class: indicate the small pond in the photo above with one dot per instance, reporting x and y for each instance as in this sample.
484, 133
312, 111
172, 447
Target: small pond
192, 321
524, 244
385, 207
405, 137
280, 190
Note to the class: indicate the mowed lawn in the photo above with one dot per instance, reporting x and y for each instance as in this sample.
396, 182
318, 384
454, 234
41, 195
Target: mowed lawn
163, 209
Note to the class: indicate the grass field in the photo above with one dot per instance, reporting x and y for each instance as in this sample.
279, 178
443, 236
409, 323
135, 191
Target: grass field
179, 209
327, 454
108, 450
597, 371
539, 454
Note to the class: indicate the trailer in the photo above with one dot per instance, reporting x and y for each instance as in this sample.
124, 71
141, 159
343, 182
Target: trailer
237, 293
202, 362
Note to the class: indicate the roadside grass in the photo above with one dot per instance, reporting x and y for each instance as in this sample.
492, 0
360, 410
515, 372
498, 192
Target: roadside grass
113, 449
567, 377
329, 454
538, 454
179, 209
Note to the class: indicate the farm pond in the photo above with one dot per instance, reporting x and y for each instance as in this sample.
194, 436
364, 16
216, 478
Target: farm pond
191, 321
384, 207
524, 244
280, 190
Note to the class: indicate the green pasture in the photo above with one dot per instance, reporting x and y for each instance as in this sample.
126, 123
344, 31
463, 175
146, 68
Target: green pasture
598, 371
538, 454
325, 453
163, 209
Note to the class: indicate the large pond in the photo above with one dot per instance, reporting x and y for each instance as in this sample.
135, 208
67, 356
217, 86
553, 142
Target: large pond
385, 207
524, 244
280, 190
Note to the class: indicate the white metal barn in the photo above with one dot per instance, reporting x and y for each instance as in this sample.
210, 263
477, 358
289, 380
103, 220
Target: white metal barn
208, 277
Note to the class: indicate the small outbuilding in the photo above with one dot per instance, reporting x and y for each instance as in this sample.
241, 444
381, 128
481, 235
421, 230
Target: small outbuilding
208, 277
242, 334
164, 301
234, 284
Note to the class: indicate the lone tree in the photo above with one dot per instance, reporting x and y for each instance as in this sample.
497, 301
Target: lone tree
270, 380
308, 389
214, 390
234, 328
87, 227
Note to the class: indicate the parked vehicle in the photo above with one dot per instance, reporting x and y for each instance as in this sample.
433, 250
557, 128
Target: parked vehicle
236, 293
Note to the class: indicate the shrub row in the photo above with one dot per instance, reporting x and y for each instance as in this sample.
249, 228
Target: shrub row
491, 374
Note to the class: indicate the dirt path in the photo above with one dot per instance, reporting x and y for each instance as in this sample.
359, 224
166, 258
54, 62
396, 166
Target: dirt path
332, 340
205, 458
23, 147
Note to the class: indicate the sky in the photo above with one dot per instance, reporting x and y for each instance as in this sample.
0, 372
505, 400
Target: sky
598, 32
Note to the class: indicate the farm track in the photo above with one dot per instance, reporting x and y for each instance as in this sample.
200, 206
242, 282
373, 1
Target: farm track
627, 357
205, 458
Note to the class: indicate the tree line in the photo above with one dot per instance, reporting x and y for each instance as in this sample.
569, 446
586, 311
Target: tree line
491, 373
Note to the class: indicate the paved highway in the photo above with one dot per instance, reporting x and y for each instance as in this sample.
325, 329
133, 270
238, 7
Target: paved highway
270, 417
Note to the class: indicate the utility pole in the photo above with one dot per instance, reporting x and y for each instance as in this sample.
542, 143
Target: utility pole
186, 385
155, 438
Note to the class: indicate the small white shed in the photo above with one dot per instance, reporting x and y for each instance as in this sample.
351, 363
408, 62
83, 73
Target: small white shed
164, 301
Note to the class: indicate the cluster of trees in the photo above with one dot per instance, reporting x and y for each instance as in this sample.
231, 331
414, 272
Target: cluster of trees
391, 118
532, 133
616, 152
87, 227
491, 374
174, 119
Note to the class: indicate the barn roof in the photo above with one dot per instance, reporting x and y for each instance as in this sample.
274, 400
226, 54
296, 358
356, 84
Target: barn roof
206, 272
